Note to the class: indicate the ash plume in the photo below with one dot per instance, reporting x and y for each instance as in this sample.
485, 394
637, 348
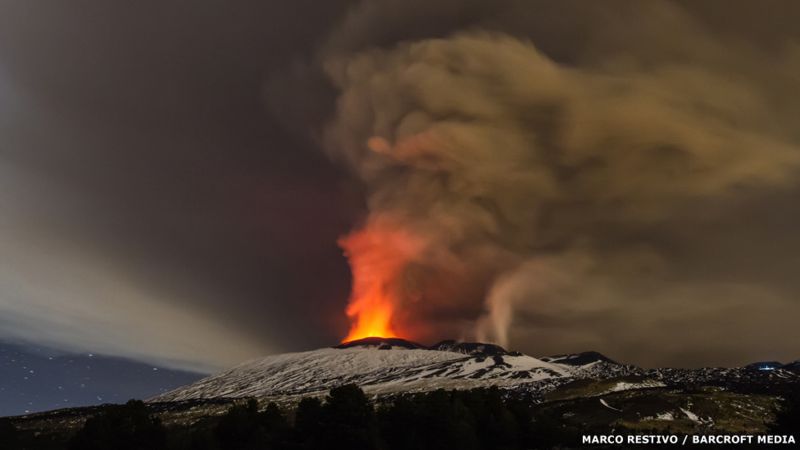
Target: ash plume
549, 173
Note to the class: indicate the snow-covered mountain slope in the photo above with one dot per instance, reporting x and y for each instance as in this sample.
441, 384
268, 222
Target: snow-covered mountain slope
379, 366
384, 366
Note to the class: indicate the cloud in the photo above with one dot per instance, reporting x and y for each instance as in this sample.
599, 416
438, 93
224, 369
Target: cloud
159, 213
63, 294
639, 153
511, 152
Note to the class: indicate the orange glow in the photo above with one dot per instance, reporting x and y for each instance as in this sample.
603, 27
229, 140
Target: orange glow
378, 255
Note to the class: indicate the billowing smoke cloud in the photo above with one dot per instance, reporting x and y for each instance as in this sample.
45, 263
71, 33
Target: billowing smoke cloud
59, 293
568, 175
543, 188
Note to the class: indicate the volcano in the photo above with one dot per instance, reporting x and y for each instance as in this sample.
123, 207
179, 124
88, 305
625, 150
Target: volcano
380, 366
587, 391
384, 367
389, 366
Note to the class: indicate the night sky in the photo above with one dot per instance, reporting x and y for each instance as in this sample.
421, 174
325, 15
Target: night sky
616, 176
34, 378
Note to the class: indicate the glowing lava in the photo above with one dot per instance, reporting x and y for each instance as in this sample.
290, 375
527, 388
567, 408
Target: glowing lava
378, 255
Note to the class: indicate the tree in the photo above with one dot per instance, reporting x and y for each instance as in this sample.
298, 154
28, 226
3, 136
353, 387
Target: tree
121, 427
308, 426
787, 421
348, 420
238, 427
497, 426
9, 436
435, 420
243, 427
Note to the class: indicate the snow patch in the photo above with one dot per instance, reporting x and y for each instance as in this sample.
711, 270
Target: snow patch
692, 416
662, 416
604, 403
625, 386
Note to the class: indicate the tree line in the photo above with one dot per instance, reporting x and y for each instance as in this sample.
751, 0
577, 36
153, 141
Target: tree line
345, 419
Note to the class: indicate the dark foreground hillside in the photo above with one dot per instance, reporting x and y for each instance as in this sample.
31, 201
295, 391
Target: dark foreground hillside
347, 419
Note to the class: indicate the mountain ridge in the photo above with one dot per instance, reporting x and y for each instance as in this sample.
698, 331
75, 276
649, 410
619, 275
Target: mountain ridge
389, 366
380, 365
448, 345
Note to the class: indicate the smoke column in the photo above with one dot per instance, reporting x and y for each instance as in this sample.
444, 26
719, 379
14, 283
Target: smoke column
495, 155
501, 181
